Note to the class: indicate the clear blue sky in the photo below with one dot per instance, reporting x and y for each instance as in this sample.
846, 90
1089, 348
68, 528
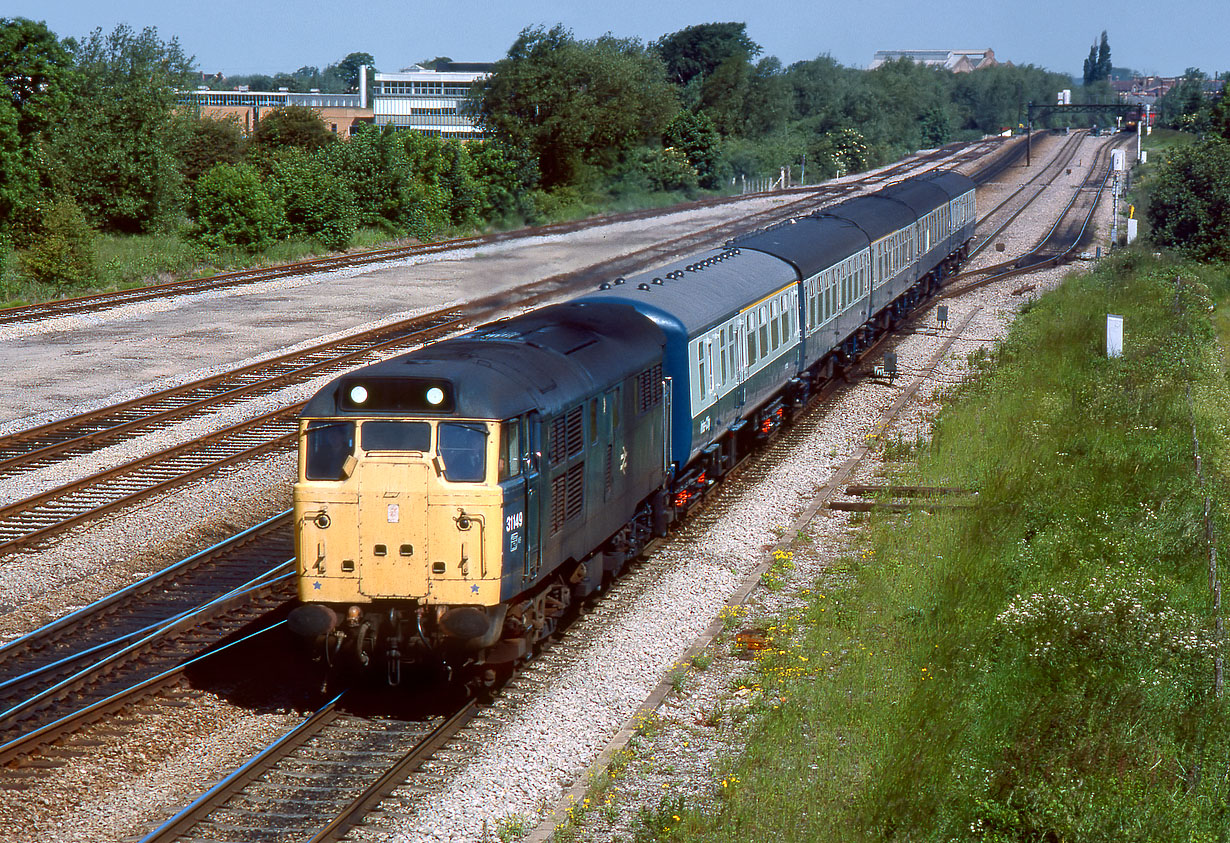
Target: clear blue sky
264, 36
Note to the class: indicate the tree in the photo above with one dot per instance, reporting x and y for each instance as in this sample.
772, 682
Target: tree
294, 126
1098, 65
506, 179
209, 142
35, 70
316, 201
116, 152
375, 167
698, 51
1184, 105
1189, 206
694, 136
577, 105
233, 208
348, 68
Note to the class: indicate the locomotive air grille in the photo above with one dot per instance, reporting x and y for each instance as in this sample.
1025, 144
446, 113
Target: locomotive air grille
649, 388
576, 431
607, 478
576, 486
558, 488
556, 450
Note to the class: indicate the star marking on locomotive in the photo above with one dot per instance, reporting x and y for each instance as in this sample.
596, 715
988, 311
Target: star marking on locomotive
474, 589
316, 585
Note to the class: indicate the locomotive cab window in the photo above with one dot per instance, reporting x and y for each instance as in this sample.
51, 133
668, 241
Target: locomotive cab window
328, 444
463, 451
510, 449
395, 436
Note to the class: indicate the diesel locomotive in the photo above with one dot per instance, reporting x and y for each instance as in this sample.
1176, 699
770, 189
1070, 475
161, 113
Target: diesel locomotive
452, 502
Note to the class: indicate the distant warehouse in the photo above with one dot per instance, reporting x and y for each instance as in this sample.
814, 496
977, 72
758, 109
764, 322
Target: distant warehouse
342, 113
958, 61
430, 100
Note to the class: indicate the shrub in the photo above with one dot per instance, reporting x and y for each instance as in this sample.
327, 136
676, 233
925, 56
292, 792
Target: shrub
234, 209
1189, 204
62, 252
317, 202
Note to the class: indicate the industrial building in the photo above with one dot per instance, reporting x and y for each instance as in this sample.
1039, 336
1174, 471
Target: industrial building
430, 100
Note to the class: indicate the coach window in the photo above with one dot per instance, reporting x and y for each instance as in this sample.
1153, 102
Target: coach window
510, 449
612, 403
700, 369
751, 342
327, 445
762, 317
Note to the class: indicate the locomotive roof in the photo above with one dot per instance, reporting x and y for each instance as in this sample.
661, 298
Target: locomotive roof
701, 290
875, 214
809, 244
545, 359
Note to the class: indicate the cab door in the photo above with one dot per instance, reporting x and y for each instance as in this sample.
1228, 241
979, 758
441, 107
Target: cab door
531, 452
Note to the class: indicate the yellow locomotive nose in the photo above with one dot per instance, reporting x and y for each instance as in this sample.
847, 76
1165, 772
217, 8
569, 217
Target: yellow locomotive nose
402, 514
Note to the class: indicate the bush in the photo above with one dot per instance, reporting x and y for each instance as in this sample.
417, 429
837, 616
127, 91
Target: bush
317, 202
1189, 201
668, 170
62, 252
234, 209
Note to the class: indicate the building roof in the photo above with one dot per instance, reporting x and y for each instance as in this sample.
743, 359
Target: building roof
957, 61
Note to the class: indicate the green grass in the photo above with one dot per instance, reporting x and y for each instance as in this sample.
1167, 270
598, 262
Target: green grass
1037, 667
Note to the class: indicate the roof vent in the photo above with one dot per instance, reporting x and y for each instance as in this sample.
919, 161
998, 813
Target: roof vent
604, 286
691, 267
657, 280
642, 286
619, 281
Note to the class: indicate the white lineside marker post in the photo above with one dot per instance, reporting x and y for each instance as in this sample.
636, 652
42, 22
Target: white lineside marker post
1114, 335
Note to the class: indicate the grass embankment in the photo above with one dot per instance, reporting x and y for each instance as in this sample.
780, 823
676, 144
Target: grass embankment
124, 261
1039, 666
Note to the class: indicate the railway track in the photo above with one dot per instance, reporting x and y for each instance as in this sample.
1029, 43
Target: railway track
1069, 233
28, 524
317, 781
130, 644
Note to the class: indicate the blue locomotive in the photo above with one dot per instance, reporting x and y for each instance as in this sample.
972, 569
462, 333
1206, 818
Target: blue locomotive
452, 502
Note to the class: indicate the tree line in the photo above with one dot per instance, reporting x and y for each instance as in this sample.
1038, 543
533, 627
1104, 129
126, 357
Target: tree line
94, 139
